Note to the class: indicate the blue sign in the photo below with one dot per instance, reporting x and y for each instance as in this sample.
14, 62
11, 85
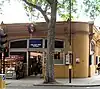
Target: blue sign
35, 43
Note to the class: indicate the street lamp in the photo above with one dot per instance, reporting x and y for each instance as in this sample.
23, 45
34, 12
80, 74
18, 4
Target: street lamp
70, 51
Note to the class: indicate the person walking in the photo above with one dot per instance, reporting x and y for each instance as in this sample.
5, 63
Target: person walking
17, 68
21, 69
39, 65
35, 65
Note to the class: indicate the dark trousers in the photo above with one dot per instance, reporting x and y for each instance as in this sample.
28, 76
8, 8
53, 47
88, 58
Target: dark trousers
17, 75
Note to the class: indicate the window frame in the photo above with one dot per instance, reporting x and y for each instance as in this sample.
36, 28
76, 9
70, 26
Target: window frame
16, 41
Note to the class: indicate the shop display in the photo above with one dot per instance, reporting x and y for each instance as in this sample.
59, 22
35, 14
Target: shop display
10, 63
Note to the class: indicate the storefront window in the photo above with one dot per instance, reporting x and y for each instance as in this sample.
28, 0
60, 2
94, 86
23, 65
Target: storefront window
99, 59
19, 44
58, 58
91, 59
58, 44
20, 54
92, 46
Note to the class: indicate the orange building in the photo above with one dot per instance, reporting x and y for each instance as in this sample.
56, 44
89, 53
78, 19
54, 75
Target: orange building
85, 46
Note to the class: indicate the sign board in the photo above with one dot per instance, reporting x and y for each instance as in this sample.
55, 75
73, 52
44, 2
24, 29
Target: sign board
35, 43
69, 58
14, 58
67, 61
77, 60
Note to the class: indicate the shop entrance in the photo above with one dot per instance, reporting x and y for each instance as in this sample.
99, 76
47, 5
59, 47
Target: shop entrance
35, 63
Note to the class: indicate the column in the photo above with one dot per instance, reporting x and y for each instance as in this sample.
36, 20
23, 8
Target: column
81, 51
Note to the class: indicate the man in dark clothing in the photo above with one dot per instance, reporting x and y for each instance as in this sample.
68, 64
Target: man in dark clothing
35, 65
39, 65
17, 70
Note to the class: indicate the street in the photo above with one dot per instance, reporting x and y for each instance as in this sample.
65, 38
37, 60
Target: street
53, 87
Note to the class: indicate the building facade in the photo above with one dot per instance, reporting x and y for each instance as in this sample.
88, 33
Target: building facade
85, 47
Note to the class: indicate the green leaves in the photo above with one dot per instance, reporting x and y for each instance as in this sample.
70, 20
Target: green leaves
92, 8
32, 1
64, 8
39, 6
1, 5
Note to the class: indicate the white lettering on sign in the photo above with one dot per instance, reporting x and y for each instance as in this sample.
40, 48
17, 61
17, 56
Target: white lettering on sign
35, 45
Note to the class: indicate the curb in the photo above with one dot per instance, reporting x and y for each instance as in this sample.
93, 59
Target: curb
7, 83
65, 85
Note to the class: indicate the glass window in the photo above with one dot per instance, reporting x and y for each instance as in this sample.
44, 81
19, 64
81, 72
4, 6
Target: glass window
36, 43
91, 59
45, 43
58, 58
19, 44
58, 44
99, 59
21, 54
92, 46
96, 60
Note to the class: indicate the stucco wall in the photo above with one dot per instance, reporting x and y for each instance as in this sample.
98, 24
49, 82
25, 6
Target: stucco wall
80, 45
81, 51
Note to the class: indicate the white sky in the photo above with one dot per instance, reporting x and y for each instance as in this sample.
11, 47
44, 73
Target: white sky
15, 13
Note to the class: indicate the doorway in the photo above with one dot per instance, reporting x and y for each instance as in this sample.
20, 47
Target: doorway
35, 63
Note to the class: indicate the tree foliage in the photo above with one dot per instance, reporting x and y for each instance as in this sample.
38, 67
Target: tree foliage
2, 4
44, 6
63, 8
92, 8
36, 8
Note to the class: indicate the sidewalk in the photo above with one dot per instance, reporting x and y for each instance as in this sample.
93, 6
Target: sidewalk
76, 82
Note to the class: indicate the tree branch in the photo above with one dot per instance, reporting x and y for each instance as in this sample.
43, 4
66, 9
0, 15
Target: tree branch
38, 8
49, 1
46, 8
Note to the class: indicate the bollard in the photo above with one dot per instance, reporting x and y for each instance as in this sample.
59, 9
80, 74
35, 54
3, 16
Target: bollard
2, 81
70, 68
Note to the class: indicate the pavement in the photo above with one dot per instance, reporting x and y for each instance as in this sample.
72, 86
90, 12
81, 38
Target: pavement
75, 82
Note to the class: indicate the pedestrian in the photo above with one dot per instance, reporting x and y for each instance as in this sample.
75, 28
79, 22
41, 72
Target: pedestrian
21, 69
35, 65
17, 68
39, 65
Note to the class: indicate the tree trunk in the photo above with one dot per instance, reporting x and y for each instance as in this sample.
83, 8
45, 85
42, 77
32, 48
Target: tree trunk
49, 78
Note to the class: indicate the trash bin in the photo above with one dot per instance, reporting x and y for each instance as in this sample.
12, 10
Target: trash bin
2, 81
